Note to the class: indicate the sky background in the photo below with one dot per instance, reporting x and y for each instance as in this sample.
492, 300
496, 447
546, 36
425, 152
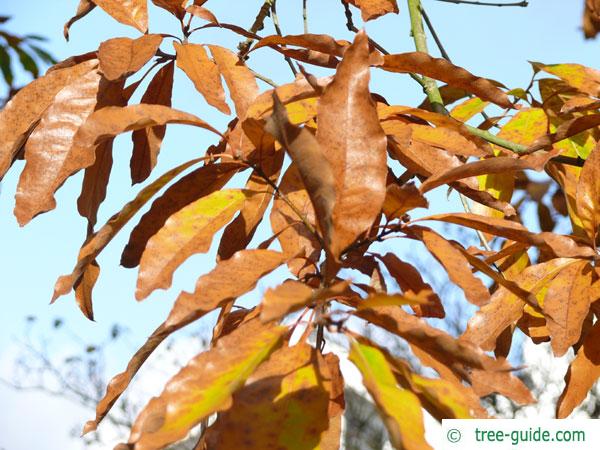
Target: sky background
492, 42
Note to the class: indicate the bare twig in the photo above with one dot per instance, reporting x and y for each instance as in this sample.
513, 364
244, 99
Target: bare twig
305, 15
522, 4
259, 24
275, 18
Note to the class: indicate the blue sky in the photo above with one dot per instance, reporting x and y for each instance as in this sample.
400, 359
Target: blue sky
491, 42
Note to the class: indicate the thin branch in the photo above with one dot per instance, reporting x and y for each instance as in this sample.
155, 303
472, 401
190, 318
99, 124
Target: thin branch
435, 36
259, 24
522, 4
305, 15
264, 78
418, 33
275, 18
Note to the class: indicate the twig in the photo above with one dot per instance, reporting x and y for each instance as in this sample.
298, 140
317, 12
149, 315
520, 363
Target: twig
522, 4
418, 33
259, 24
275, 18
264, 78
435, 36
305, 15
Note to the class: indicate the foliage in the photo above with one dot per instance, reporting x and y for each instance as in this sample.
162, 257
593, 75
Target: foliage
326, 150
28, 49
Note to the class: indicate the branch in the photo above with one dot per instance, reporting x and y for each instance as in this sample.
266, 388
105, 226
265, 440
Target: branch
522, 4
259, 24
418, 33
275, 18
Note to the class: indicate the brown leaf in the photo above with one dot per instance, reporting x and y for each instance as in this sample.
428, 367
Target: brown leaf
501, 382
51, 152
197, 184
187, 232
293, 295
372, 9
147, 142
437, 343
588, 195
285, 404
83, 9
129, 12
454, 263
84, 287
95, 183
293, 236
205, 386
239, 233
111, 121
175, 7
204, 73
401, 199
583, 373
312, 164
202, 13
299, 90
99, 240
23, 111
498, 164
322, 43
246, 267
441, 69
561, 245
121, 57
506, 307
567, 301
241, 82
409, 280
353, 142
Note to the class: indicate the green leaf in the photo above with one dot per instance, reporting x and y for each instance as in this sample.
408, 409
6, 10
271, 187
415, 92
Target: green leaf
5, 66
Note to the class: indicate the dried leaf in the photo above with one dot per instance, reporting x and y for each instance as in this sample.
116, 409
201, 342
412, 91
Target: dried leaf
283, 405
567, 301
147, 141
401, 199
22, 112
204, 73
246, 267
121, 57
312, 164
83, 9
51, 152
202, 13
561, 245
353, 142
506, 307
441, 69
409, 280
399, 408
584, 79
241, 82
583, 373
95, 183
129, 12
99, 240
187, 232
111, 121
175, 7
454, 263
197, 184
204, 386
239, 233
588, 195
372, 9
292, 234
